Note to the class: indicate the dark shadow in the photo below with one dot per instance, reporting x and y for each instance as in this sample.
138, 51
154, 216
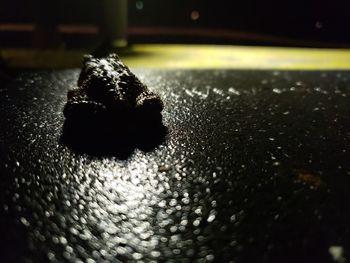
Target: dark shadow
101, 138
6, 75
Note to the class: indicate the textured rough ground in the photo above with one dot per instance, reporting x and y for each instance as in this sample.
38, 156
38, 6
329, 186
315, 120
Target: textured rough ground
255, 168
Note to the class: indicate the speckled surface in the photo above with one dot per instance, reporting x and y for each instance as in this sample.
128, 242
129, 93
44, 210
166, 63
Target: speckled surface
255, 168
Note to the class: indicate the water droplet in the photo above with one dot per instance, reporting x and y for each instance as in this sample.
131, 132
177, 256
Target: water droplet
234, 91
278, 91
211, 218
24, 221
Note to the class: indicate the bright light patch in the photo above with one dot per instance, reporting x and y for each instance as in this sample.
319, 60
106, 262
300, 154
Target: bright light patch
139, 5
194, 15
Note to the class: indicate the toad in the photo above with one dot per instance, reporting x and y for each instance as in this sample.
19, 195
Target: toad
111, 112
108, 90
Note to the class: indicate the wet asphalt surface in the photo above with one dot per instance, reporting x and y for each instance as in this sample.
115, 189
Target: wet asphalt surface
254, 167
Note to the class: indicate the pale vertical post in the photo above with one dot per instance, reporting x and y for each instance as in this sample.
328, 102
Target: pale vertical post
115, 22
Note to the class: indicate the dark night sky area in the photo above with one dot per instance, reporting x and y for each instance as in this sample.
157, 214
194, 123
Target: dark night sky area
313, 20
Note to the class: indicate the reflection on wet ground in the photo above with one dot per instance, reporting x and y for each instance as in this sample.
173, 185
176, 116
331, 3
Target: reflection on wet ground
254, 168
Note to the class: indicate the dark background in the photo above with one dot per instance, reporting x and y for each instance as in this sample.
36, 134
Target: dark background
291, 23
